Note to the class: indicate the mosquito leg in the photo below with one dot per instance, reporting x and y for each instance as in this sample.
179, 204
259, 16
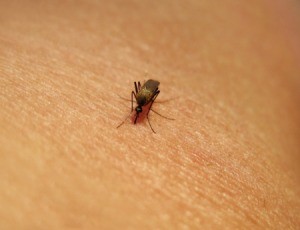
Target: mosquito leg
132, 94
136, 87
158, 112
169, 118
121, 124
139, 86
153, 99
167, 100
149, 119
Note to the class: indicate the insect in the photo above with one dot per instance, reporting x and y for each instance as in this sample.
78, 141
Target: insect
144, 94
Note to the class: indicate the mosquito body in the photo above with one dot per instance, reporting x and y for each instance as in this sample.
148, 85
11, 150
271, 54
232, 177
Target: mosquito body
144, 94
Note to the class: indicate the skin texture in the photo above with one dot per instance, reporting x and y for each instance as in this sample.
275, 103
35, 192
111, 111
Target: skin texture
230, 159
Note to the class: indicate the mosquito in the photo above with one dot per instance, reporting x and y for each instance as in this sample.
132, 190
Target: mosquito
144, 94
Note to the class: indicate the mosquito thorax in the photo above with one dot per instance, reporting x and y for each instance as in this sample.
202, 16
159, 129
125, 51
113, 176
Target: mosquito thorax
141, 100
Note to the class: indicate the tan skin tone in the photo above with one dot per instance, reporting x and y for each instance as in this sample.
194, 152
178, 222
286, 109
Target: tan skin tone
229, 160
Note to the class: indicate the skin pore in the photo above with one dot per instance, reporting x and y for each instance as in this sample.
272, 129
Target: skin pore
229, 160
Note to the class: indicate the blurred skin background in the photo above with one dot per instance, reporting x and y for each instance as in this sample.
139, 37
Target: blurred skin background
230, 160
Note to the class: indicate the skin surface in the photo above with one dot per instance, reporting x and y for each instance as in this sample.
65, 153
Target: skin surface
230, 159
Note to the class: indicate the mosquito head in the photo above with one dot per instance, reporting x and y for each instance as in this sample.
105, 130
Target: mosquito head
138, 109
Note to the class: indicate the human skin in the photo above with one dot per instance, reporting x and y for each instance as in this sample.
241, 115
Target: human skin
229, 160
